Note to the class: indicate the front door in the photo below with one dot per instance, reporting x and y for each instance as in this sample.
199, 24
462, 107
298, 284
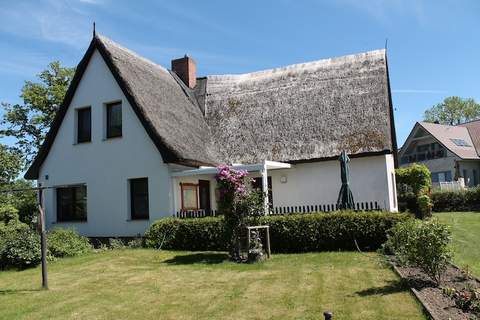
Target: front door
204, 195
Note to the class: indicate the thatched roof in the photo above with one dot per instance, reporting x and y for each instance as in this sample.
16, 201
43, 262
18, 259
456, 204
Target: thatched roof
302, 112
306, 111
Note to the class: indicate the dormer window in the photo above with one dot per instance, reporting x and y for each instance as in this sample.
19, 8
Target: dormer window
84, 125
114, 120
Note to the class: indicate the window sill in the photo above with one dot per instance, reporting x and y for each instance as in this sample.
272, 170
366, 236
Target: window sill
133, 220
111, 138
73, 221
83, 142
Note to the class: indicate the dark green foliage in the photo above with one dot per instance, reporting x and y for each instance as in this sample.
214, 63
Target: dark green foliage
10, 165
188, 234
288, 233
19, 246
29, 121
421, 244
463, 200
8, 214
66, 243
25, 202
453, 110
413, 185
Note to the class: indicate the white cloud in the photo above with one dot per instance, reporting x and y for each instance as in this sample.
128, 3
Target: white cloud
48, 20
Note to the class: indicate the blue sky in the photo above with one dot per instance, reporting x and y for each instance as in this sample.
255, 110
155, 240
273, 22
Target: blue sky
433, 46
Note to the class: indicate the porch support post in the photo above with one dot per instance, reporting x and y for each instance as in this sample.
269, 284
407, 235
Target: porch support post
265, 188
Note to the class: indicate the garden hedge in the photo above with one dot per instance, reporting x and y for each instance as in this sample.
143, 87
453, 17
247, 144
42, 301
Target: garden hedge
463, 200
288, 233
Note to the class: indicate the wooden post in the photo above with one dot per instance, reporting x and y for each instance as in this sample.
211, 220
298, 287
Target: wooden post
43, 238
268, 242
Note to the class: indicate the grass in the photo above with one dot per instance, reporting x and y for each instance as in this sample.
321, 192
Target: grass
149, 284
465, 228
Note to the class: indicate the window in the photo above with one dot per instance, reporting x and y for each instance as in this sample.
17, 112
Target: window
442, 176
423, 148
72, 203
114, 120
189, 195
475, 177
460, 142
139, 198
84, 125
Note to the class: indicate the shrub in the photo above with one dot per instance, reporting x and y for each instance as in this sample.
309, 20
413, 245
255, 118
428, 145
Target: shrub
116, 244
414, 184
8, 213
66, 243
288, 233
135, 243
461, 200
187, 234
19, 247
421, 244
424, 205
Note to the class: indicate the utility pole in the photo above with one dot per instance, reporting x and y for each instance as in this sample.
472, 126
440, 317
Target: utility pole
43, 238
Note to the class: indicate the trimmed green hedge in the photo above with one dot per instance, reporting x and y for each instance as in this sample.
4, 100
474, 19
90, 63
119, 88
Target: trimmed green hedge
464, 200
288, 233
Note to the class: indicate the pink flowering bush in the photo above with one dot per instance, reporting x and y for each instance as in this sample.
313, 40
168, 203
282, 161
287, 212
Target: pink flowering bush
237, 200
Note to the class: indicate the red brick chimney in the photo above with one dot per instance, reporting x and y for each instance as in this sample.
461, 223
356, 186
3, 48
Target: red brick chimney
186, 70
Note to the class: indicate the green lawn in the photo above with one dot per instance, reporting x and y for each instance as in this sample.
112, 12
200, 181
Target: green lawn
466, 238
149, 284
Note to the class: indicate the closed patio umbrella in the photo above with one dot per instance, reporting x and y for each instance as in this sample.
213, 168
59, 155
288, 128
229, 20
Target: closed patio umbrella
345, 197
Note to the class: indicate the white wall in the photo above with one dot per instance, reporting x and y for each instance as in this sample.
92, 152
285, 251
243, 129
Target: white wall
319, 182
105, 165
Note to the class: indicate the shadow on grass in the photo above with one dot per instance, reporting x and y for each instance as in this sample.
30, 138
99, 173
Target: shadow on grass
198, 258
390, 288
18, 291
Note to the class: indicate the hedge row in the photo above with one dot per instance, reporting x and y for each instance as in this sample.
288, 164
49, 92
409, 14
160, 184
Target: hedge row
288, 233
464, 200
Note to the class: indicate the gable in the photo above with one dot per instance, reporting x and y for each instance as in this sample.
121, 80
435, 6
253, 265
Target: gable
445, 135
69, 161
173, 123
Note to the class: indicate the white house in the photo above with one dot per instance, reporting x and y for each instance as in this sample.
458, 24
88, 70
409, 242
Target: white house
134, 142
450, 152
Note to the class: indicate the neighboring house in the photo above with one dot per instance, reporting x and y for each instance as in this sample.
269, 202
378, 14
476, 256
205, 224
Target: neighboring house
134, 142
450, 152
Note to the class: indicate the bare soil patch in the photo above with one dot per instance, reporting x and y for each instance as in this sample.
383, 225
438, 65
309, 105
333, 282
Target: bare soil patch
431, 296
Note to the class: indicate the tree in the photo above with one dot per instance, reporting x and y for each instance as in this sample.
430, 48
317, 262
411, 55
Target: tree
10, 165
453, 111
29, 122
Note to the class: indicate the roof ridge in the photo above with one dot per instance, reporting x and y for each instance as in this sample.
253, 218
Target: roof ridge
295, 66
103, 38
468, 122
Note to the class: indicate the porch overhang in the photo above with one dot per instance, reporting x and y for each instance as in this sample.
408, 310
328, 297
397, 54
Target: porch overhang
269, 165
258, 167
